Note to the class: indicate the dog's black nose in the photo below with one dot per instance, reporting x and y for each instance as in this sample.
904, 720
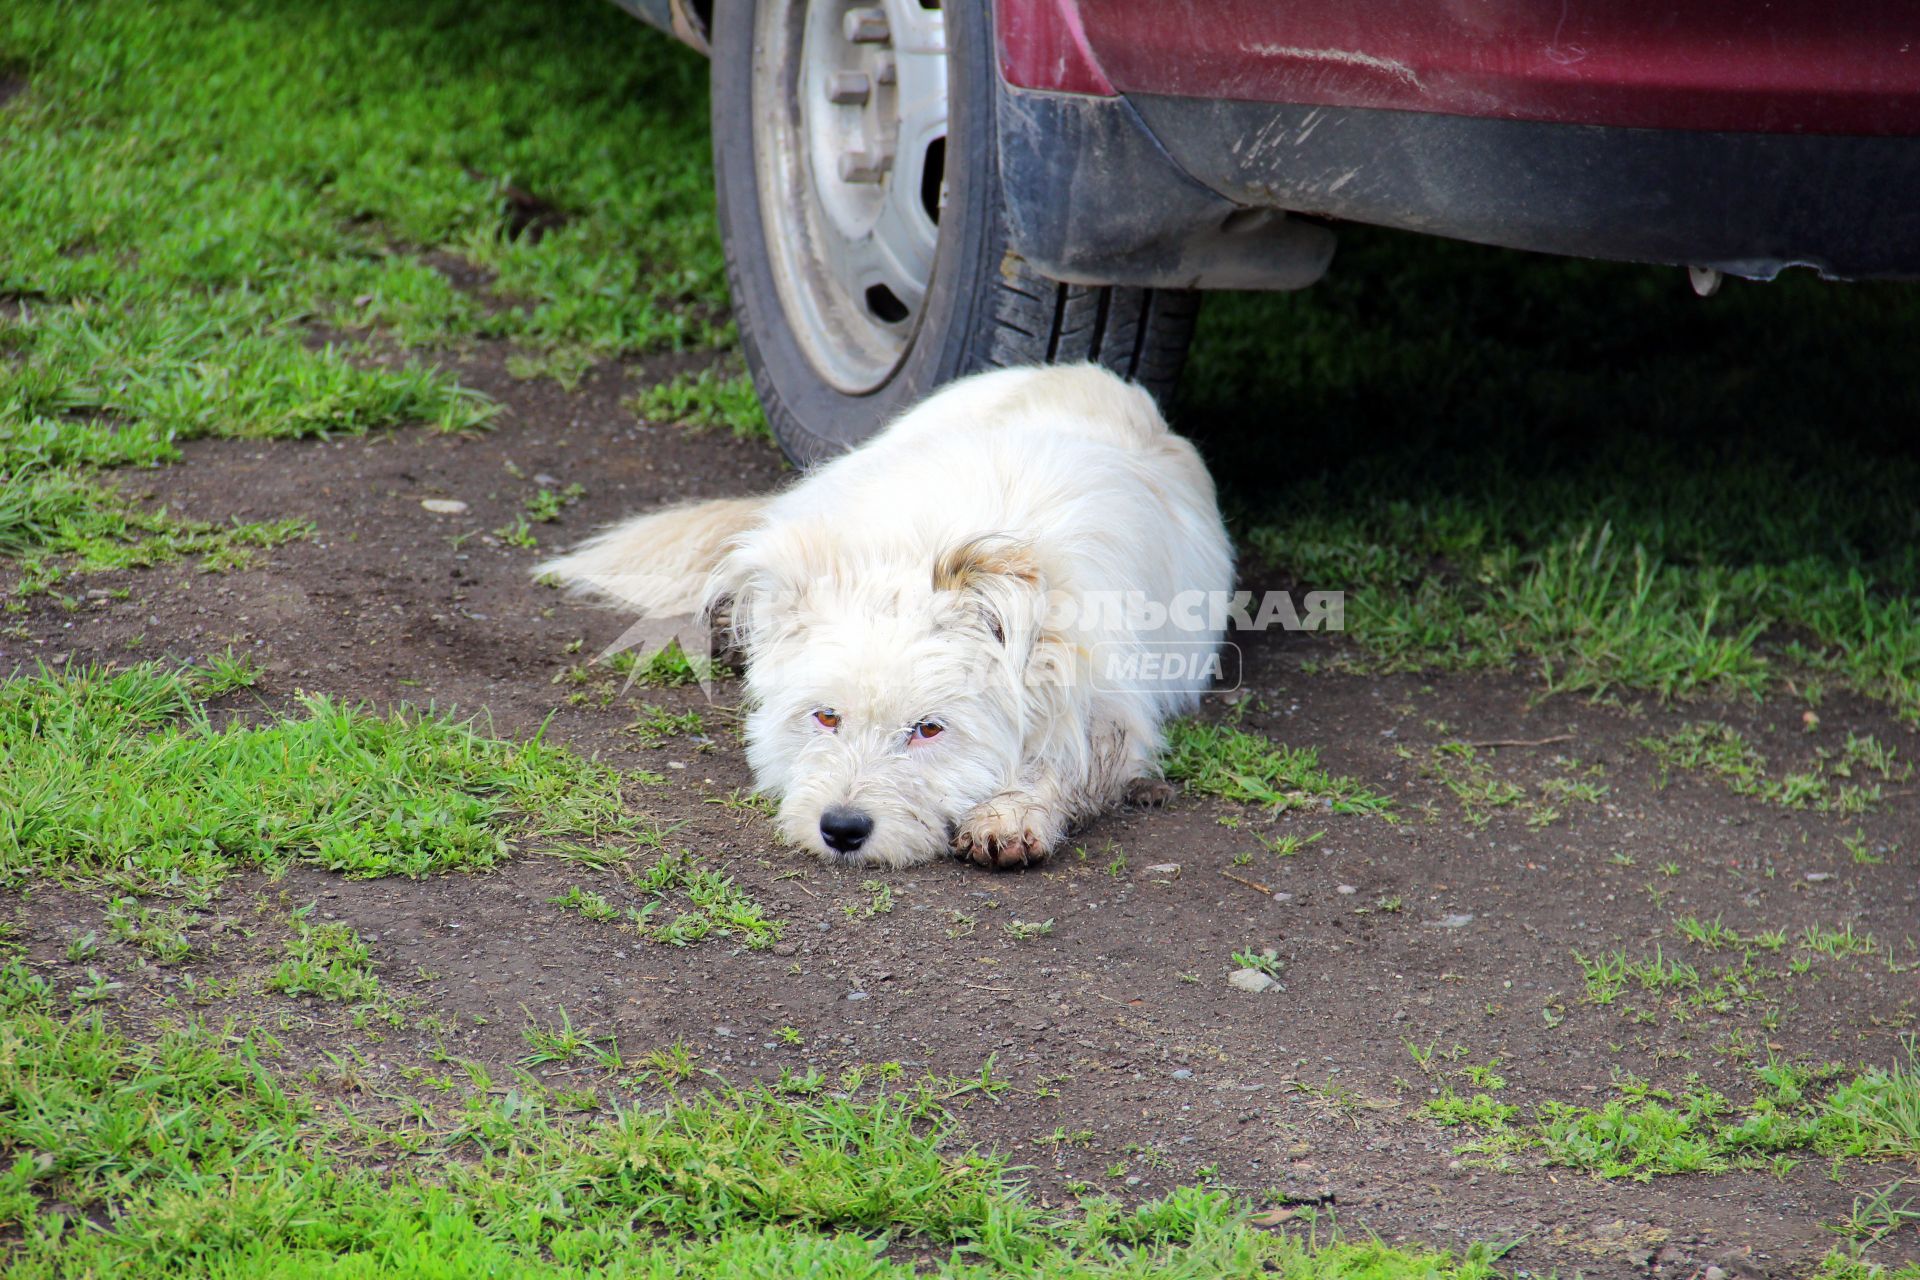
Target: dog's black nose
845, 830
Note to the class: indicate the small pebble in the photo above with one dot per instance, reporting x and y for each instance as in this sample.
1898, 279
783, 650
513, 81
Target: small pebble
1183, 1074
1250, 980
444, 506
1348, 889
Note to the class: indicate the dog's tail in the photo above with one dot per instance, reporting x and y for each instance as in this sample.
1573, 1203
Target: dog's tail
658, 563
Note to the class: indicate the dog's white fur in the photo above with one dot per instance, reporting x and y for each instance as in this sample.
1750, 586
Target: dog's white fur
909, 582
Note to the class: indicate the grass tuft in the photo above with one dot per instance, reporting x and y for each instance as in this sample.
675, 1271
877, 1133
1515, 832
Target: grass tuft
120, 778
1648, 1132
328, 960
1229, 762
1850, 781
705, 400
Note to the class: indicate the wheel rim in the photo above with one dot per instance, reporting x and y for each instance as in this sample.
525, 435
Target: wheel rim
850, 125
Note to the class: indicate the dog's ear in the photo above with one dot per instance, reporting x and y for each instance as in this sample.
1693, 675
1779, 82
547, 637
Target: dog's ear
759, 590
989, 555
747, 606
999, 575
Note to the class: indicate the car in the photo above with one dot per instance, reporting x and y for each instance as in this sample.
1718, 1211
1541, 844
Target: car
910, 191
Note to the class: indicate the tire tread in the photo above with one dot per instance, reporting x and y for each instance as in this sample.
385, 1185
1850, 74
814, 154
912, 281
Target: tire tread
1140, 334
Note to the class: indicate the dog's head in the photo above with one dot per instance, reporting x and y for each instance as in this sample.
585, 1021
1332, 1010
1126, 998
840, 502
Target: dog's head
883, 711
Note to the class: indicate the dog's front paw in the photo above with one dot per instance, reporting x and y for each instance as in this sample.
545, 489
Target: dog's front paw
1006, 833
1149, 793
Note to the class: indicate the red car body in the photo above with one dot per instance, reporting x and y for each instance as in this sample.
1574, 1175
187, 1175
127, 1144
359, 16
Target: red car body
1176, 143
1791, 66
1732, 134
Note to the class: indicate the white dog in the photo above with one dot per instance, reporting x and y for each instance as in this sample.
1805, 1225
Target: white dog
942, 630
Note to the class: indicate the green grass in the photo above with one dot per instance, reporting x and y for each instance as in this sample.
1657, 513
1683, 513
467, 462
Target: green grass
1714, 935
188, 192
197, 1158
1266, 961
560, 1042
1871, 1115
1287, 846
715, 904
57, 521
121, 778
1843, 1265
590, 905
329, 960
879, 901
1621, 1140
544, 506
1481, 1109
656, 726
1464, 772
665, 668
704, 400
1468, 776
601, 682
160, 933
216, 149
1578, 467
1611, 975
1876, 1215
1850, 781
1837, 942
1226, 761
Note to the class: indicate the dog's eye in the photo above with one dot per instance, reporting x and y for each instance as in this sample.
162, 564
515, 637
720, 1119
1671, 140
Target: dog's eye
828, 719
927, 729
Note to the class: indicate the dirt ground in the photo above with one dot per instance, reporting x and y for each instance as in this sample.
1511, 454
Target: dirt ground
1118, 1028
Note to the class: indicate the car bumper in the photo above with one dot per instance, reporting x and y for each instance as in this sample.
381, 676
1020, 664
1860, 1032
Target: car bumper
1187, 192
1091, 197
1748, 204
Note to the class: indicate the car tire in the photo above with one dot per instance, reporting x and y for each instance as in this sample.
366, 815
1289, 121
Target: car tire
841, 330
